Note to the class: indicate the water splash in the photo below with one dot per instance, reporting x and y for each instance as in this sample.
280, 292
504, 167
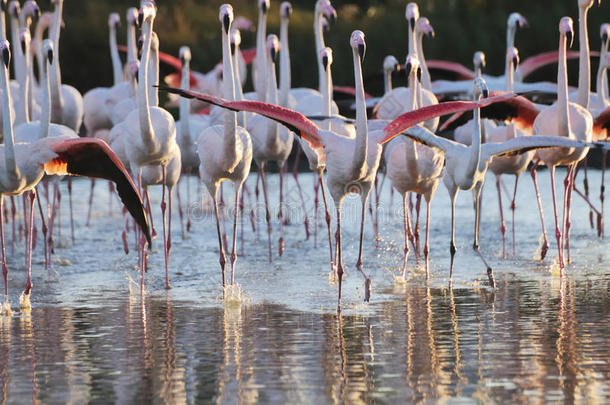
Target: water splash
5, 309
24, 301
234, 295
538, 252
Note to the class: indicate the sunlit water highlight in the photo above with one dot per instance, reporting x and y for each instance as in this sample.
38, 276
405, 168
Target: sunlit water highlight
89, 337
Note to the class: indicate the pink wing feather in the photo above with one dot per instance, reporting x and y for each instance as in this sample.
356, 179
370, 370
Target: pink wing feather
462, 71
535, 62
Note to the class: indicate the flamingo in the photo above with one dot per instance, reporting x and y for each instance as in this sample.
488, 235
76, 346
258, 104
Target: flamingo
67, 102
423, 27
351, 162
259, 71
26, 163
229, 142
150, 133
413, 167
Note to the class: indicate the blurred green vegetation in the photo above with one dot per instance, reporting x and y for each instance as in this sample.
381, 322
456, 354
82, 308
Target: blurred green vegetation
462, 27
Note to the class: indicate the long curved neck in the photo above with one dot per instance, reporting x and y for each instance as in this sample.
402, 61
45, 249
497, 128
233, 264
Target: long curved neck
319, 39
475, 146
22, 110
7, 123
230, 121
362, 133
563, 112
284, 63
239, 92
412, 42
131, 43
18, 62
38, 33
327, 96
57, 102
387, 81
510, 73
153, 77
261, 60
45, 108
146, 129
2, 25
411, 150
601, 84
584, 69
185, 108
425, 73
117, 69
272, 97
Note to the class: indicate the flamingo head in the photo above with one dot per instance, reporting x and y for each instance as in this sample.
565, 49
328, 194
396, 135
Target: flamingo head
132, 68
132, 16
412, 66
512, 54
235, 40
479, 88
264, 5
273, 46
516, 21
5, 51
225, 15
604, 33
326, 54
25, 39
48, 50
423, 25
566, 28
114, 20
587, 3
31, 10
285, 10
479, 60
185, 54
14, 9
390, 64
412, 14
357, 43
324, 7
147, 12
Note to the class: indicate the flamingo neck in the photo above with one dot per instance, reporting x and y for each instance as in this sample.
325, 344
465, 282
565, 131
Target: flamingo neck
601, 84
411, 150
260, 83
154, 77
584, 68
56, 25
22, 110
425, 73
319, 39
478, 70
7, 124
117, 69
131, 43
413, 93
230, 121
510, 73
57, 102
327, 96
387, 81
475, 147
2, 25
362, 135
563, 112
185, 106
38, 33
272, 97
284, 64
18, 63
146, 129
239, 92
45, 110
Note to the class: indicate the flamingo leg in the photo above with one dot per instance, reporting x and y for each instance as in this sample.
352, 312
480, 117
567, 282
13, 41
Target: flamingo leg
166, 240
359, 266
4, 267
585, 165
90, 202
241, 218
502, 223
426, 245
187, 178
557, 231
452, 249
416, 233
71, 209
602, 189
328, 225
316, 201
303, 205
407, 230
180, 212
234, 248
222, 259
13, 215
475, 245
44, 232
149, 209
256, 195
513, 206
339, 259
545, 241
28, 283
267, 214
280, 212
568, 210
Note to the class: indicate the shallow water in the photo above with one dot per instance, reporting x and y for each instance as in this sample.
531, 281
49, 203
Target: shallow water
89, 337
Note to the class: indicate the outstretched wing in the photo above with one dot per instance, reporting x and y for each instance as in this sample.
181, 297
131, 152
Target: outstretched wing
411, 118
93, 157
462, 72
522, 144
424, 136
542, 59
293, 120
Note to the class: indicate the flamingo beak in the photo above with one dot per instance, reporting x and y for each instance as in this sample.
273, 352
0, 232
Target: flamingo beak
361, 50
431, 33
140, 19
408, 68
264, 7
50, 56
6, 56
288, 12
333, 17
233, 48
140, 45
226, 23
274, 53
604, 37
485, 92
4, 5
419, 74
412, 23
22, 46
515, 62
325, 62
570, 37
136, 74
36, 15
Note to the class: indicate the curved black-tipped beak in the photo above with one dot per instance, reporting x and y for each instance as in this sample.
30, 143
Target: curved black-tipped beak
408, 68
16, 11
182, 62
274, 53
233, 48
4, 5
36, 15
570, 37
264, 7
361, 50
605, 37
485, 92
515, 62
419, 74
140, 45
430, 34
288, 12
6, 56
140, 19
325, 62
226, 23
137, 75
412, 23
333, 18
50, 56
22, 46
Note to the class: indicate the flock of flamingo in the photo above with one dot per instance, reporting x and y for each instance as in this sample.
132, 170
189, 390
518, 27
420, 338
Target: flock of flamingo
128, 135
